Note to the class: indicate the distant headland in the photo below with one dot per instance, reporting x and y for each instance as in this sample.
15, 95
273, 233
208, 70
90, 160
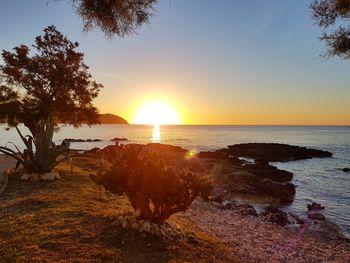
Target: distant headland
109, 118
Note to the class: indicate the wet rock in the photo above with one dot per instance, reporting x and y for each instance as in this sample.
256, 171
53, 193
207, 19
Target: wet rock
274, 152
285, 192
73, 140
314, 206
316, 216
296, 218
246, 210
327, 230
269, 171
118, 139
276, 216
346, 170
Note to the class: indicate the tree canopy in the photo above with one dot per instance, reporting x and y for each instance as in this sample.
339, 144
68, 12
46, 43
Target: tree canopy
334, 17
114, 17
48, 82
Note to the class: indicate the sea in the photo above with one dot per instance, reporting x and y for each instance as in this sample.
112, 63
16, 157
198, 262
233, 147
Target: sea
318, 179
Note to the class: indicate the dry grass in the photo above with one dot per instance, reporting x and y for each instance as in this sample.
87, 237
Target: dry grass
70, 221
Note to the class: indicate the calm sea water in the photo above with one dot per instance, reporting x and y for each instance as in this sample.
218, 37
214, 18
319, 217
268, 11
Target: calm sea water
318, 179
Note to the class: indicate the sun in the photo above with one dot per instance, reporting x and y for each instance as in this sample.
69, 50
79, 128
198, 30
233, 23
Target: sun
156, 113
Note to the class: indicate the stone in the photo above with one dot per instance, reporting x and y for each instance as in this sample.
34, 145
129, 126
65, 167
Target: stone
246, 210
316, 216
124, 223
218, 205
146, 227
49, 176
276, 216
346, 170
314, 206
26, 176
118, 139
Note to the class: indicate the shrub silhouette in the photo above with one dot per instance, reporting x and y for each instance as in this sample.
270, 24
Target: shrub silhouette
154, 189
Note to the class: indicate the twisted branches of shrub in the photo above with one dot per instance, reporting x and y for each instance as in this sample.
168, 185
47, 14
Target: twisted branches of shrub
154, 189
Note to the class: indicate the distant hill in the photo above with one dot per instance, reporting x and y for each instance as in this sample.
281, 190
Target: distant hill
112, 119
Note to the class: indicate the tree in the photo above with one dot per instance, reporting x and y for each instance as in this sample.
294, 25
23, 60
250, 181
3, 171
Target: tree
334, 17
120, 17
41, 88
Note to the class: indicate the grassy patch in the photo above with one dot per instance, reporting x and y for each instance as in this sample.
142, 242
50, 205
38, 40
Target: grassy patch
70, 220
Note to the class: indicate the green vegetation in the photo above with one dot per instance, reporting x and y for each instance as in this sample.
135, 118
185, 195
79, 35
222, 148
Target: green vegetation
71, 220
155, 189
40, 90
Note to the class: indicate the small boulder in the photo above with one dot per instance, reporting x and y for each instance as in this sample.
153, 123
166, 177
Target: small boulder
118, 139
26, 176
276, 216
314, 206
49, 176
246, 210
316, 216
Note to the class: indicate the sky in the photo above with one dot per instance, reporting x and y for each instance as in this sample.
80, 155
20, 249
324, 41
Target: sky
216, 62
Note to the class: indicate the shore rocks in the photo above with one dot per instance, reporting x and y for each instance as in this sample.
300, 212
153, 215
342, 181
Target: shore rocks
316, 216
133, 221
314, 206
269, 171
284, 192
274, 152
82, 140
51, 176
276, 216
118, 139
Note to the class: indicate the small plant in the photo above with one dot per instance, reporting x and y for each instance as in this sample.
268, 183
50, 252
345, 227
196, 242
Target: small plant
155, 190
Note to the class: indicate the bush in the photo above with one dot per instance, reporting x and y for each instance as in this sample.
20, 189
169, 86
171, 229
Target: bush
154, 189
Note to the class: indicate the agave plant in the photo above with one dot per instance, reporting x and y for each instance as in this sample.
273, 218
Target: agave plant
41, 155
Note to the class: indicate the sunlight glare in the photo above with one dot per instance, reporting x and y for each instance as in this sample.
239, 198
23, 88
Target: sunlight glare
156, 113
156, 133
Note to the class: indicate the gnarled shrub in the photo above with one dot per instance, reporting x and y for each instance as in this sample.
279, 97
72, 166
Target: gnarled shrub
153, 188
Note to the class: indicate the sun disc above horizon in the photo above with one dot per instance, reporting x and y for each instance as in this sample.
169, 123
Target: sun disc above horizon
156, 112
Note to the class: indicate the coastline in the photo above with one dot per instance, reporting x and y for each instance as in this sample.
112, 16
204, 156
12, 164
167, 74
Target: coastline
243, 234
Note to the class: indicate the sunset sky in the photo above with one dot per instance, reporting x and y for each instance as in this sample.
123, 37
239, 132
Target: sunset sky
216, 62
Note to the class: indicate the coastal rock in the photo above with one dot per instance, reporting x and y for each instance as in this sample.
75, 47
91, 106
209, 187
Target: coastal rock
326, 230
246, 210
81, 140
314, 206
285, 192
269, 171
276, 216
93, 150
316, 216
212, 155
274, 152
118, 139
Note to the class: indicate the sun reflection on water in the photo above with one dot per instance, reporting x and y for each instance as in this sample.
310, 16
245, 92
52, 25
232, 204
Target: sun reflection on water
156, 133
